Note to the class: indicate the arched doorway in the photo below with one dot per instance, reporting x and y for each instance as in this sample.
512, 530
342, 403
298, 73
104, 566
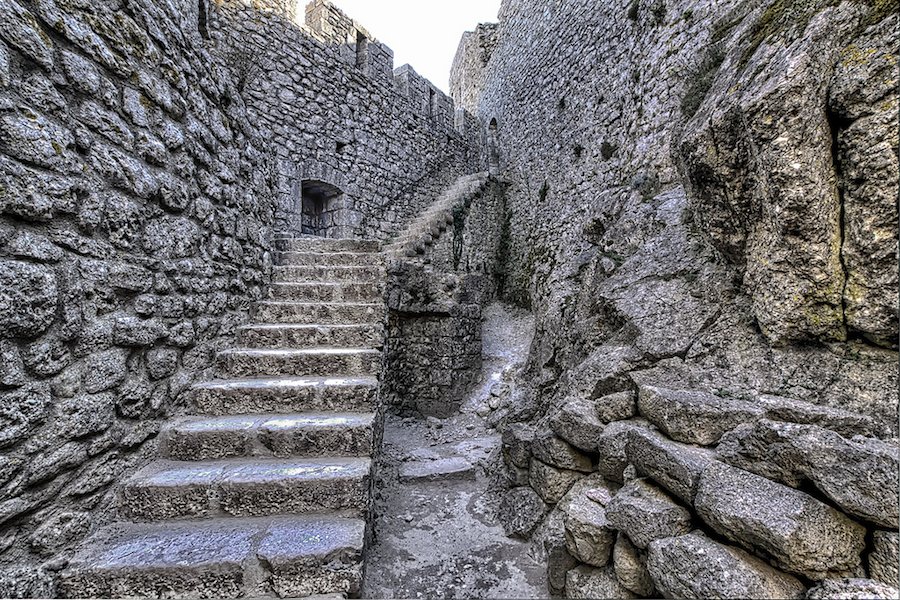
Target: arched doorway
320, 204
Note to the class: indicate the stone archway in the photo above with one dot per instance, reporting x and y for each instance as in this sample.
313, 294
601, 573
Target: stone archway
320, 203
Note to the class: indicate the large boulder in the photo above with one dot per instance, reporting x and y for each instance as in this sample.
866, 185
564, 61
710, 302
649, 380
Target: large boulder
802, 534
589, 534
694, 417
694, 567
645, 513
860, 475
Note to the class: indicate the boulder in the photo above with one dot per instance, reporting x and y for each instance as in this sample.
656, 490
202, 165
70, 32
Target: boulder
556, 452
550, 543
611, 446
631, 568
645, 513
852, 589
517, 439
676, 467
693, 417
521, 510
860, 475
693, 566
616, 407
591, 583
576, 422
551, 483
589, 535
800, 533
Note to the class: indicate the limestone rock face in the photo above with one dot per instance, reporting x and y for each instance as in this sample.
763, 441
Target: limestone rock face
860, 475
693, 566
802, 534
645, 513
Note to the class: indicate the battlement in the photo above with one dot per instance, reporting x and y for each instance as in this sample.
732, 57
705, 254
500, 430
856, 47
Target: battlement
330, 26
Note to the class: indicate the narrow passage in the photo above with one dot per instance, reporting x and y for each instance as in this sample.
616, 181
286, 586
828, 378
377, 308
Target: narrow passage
437, 533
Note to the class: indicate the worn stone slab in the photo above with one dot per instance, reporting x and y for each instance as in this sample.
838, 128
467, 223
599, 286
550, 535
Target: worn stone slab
676, 467
860, 476
693, 417
442, 469
311, 362
645, 513
694, 567
802, 534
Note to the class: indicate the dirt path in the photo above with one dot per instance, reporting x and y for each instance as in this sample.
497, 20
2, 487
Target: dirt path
437, 535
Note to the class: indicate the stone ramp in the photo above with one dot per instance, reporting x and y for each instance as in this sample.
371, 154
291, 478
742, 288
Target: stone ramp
264, 490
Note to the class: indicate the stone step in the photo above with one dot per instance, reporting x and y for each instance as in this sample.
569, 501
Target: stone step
246, 487
309, 362
346, 259
319, 244
284, 395
328, 291
301, 274
308, 336
272, 435
223, 558
315, 313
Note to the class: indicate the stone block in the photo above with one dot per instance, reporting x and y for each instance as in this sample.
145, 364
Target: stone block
884, 560
576, 422
693, 566
611, 447
558, 453
694, 417
631, 568
584, 582
852, 589
589, 535
551, 483
521, 510
616, 407
676, 467
645, 513
802, 534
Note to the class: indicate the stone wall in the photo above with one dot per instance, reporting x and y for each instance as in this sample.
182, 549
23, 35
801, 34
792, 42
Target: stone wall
331, 105
655, 202
701, 218
443, 271
470, 65
135, 214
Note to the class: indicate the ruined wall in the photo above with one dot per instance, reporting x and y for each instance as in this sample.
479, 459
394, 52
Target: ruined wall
134, 224
703, 219
470, 65
326, 96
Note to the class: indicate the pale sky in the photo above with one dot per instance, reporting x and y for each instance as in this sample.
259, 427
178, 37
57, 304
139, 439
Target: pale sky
423, 33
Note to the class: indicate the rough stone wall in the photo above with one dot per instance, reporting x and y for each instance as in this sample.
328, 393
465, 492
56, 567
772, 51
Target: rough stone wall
470, 65
333, 109
703, 218
436, 296
674, 190
134, 226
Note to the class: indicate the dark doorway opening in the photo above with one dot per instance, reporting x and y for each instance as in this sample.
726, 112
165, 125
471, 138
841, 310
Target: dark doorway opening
320, 204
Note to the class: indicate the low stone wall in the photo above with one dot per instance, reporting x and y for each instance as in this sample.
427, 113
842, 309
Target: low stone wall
650, 491
445, 268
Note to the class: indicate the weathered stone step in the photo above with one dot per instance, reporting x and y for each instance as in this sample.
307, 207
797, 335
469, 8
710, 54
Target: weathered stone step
246, 487
284, 395
281, 436
286, 335
310, 362
371, 292
346, 259
314, 313
318, 244
300, 274
223, 558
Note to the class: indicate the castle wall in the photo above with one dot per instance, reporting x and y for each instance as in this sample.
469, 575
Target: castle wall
325, 95
135, 214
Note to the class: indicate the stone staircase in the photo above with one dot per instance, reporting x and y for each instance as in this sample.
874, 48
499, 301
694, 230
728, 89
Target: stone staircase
265, 489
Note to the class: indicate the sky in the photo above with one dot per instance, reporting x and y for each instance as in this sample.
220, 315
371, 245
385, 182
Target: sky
423, 33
